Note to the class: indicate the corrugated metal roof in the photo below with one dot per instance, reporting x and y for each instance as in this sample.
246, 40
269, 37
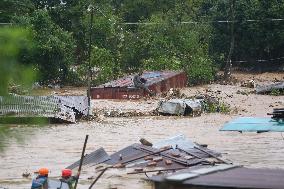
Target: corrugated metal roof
94, 158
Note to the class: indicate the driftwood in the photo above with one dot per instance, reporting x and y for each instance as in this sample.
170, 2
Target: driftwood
269, 88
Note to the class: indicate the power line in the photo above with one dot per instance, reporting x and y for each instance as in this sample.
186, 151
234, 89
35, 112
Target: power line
214, 21
5, 23
260, 60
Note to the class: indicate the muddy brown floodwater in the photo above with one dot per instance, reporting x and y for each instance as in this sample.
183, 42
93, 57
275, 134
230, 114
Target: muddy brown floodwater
57, 146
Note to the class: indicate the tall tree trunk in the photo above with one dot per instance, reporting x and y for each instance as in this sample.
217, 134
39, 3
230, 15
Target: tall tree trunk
228, 67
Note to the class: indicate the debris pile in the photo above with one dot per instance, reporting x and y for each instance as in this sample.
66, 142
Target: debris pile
168, 155
126, 113
248, 84
277, 114
273, 89
173, 93
180, 107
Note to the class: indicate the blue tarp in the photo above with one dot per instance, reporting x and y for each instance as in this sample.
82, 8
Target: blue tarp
253, 124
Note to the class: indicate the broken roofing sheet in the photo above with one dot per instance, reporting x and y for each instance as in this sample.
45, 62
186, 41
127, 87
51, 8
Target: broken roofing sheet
252, 124
173, 153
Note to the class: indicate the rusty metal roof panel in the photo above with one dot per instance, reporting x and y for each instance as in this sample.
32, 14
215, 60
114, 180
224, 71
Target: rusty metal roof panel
151, 77
123, 88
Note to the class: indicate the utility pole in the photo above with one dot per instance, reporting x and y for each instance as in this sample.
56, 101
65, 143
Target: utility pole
91, 9
228, 67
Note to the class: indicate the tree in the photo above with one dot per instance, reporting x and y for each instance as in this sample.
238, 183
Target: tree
54, 48
257, 35
11, 8
12, 42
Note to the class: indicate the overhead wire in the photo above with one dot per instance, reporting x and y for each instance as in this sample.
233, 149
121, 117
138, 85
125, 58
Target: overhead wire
213, 21
260, 60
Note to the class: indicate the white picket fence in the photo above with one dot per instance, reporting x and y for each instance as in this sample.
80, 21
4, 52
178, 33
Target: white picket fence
62, 107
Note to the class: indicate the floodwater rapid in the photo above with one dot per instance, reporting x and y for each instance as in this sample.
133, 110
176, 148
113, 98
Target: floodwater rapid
57, 146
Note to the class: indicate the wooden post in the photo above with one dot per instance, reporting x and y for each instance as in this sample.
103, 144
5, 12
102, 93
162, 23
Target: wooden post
81, 160
228, 67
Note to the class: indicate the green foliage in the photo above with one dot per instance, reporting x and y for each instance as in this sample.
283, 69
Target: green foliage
260, 39
53, 52
61, 33
277, 92
212, 107
200, 70
10, 8
12, 42
103, 60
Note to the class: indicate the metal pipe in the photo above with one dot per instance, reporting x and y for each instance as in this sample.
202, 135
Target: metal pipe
89, 64
158, 170
99, 176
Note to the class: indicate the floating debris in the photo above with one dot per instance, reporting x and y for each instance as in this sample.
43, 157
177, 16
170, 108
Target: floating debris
249, 84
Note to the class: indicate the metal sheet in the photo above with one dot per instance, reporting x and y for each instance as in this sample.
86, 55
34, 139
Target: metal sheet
179, 140
181, 177
212, 169
126, 153
61, 107
183, 143
238, 177
252, 124
94, 158
241, 178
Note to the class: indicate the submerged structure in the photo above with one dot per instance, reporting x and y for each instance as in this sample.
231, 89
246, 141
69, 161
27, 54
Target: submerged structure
123, 88
61, 108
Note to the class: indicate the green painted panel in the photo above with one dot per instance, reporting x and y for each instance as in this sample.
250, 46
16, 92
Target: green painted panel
253, 124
